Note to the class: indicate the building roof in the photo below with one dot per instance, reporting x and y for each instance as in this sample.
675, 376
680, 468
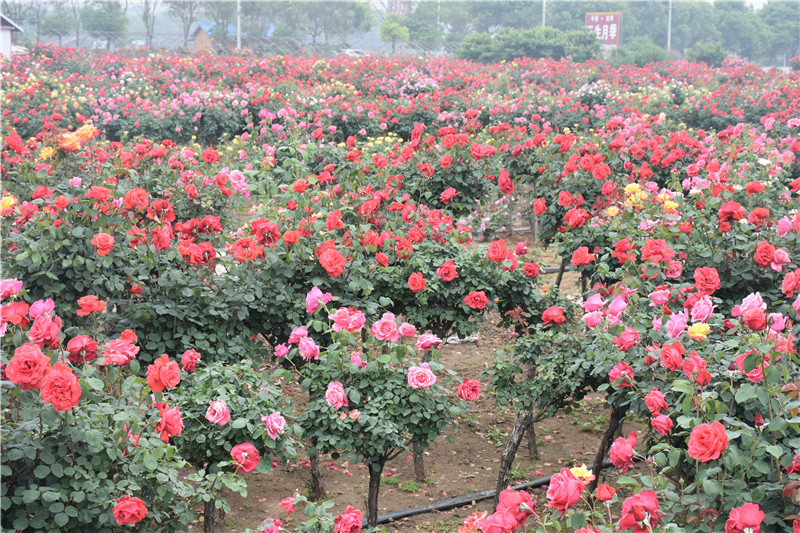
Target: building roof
7, 23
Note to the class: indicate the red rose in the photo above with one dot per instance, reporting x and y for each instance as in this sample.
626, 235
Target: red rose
28, 367
582, 257
539, 206
672, 356
381, 258
517, 503
170, 424
210, 155
707, 441
662, 424
657, 250
469, 389
621, 453
81, 349
476, 299
416, 282
576, 218
245, 456
291, 237
790, 283
60, 387
129, 510
530, 269
655, 401
506, 185
15, 313
764, 254
163, 373
748, 518
564, 490
553, 316
104, 243
332, 261
45, 331
137, 200
706, 280
604, 492
498, 251
189, 360
447, 270
349, 522
90, 304
641, 512
621, 375
621, 249
755, 319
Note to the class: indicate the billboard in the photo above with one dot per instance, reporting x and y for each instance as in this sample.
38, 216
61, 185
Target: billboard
607, 26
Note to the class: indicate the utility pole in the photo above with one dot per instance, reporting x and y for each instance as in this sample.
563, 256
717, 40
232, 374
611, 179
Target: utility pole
238, 24
544, 12
669, 28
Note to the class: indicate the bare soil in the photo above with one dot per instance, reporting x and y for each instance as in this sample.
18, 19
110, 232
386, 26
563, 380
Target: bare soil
468, 465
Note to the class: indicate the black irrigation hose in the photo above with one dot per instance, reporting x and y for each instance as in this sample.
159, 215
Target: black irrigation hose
461, 501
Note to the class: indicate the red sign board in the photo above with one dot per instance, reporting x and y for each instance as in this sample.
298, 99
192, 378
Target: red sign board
607, 26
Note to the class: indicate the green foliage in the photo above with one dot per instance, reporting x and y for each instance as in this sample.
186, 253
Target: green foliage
537, 42
710, 53
391, 31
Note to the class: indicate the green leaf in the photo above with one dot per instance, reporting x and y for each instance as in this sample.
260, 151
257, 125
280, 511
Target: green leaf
712, 487
239, 423
41, 471
95, 383
775, 450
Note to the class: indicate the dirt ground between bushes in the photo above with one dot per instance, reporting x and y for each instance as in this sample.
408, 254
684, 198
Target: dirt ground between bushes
469, 464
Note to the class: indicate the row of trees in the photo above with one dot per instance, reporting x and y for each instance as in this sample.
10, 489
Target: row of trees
769, 33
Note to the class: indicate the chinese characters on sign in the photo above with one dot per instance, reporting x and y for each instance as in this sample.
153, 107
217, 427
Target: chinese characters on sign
607, 26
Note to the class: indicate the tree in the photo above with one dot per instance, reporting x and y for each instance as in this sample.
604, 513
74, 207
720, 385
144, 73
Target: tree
186, 11
780, 20
58, 22
104, 19
710, 53
222, 13
423, 25
391, 31
149, 12
326, 20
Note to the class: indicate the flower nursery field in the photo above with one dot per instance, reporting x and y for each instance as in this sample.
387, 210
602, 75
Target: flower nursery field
227, 283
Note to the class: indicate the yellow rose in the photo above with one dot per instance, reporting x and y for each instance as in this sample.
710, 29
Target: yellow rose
699, 331
47, 152
612, 211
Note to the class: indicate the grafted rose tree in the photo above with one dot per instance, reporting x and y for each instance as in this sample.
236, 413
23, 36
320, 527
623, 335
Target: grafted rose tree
372, 399
233, 422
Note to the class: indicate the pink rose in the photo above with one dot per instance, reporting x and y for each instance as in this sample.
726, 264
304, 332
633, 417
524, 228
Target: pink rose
335, 395
626, 339
218, 413
349, 522
752, 301
677, 325
315, 298
659, 298
655, 401
662, 424
621, 453
702, 309
308, 349
189, 360
592, 319
281, 350
779, 258
297, 334
276, 425
594, 303
9, 287
469, 389
421, 377
674, 269
356, 360
407, 330
564, 490
618, 305
426, 341
348, 318
41, 307
386, 328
